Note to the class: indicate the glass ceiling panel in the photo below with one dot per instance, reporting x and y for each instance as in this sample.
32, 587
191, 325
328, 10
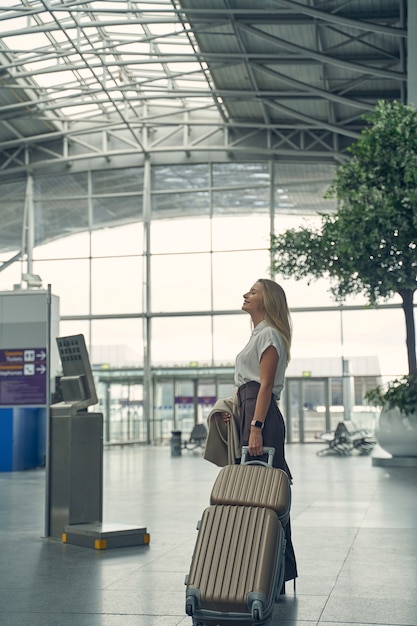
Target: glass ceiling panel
86, 59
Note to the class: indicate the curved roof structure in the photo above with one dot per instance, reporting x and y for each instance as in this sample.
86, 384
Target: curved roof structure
85, 82
110, 84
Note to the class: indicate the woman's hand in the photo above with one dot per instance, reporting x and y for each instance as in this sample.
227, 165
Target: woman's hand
255, 443
225, 417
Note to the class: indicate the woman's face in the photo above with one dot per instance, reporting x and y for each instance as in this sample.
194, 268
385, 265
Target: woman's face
253, 300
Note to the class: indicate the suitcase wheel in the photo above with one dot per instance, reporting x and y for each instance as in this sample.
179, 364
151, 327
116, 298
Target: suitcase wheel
189, 609
257, 611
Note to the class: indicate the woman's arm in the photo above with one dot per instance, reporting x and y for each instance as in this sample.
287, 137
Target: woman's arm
267, 369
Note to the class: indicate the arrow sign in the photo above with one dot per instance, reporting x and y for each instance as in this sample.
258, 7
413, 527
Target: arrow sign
23, 376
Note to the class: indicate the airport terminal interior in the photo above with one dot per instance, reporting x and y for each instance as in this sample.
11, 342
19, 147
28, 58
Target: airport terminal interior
148, 151
354, 530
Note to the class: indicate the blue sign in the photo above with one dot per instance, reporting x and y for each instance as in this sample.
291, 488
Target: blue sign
23, 376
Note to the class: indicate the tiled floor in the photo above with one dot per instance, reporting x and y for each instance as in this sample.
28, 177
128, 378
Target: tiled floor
354, 530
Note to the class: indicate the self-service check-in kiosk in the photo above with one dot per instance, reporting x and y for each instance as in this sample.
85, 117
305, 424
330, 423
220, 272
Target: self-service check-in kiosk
75, 473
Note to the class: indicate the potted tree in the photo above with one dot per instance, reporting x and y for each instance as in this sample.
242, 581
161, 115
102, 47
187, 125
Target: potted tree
397, 425
369, 245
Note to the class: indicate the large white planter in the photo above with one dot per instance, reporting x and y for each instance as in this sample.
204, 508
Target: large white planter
396, 433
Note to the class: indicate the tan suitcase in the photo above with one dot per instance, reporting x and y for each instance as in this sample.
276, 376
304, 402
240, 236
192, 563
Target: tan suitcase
254, 484
237, 568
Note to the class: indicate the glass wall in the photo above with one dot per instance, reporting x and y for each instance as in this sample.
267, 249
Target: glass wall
167, 290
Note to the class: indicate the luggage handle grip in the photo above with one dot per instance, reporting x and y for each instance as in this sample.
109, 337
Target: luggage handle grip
267, 450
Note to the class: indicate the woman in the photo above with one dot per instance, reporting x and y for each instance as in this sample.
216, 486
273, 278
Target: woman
259, 376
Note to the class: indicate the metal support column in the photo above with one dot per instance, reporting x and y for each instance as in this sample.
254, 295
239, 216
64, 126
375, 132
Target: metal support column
412, 52
147, 330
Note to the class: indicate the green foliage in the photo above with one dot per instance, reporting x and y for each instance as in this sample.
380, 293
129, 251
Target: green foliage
369, 245
400, 393
377, 194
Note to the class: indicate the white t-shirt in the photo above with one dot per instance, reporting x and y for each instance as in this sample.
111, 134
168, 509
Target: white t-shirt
248, 360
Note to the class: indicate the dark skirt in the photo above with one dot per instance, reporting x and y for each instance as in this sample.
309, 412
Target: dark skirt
273, 435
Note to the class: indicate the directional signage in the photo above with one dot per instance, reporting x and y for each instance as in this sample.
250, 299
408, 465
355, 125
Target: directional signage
23, 376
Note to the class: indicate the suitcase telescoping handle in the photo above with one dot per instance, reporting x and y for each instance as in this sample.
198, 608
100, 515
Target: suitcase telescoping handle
267, 450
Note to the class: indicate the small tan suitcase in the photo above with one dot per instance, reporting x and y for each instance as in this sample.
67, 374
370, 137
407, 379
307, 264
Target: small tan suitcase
254, 483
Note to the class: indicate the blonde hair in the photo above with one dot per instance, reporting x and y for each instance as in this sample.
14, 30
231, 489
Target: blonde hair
277, 313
